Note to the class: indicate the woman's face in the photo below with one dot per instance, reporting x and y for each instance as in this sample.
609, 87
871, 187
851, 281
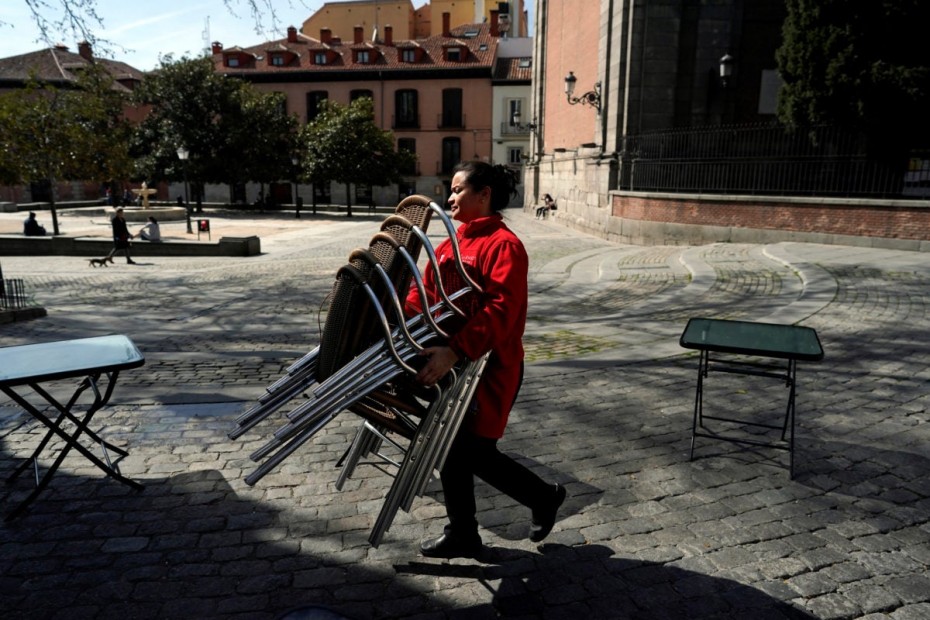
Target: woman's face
465, 202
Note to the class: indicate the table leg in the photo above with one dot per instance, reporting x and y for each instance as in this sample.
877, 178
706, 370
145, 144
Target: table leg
71, 441
99, 402
698, 401
789, 416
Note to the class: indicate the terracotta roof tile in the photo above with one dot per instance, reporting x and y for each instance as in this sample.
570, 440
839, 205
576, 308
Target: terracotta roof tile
513, 69
58, 64
476, 38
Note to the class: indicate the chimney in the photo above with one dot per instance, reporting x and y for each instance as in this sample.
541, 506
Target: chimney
217, 47
389, 35
291, 34
326, 35
494, 31
445, 24
85, 50
358, 35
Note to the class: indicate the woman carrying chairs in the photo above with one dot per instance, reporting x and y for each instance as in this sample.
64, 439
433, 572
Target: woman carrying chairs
495, 319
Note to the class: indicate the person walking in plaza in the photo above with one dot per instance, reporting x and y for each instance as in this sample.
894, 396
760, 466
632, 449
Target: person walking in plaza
495, 320
121, 236
151, 231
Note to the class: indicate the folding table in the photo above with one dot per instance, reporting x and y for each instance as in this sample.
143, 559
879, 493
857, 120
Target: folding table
84, 359
786, 343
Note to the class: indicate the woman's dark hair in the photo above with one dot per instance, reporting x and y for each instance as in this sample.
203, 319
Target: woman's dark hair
152, 219
501, 180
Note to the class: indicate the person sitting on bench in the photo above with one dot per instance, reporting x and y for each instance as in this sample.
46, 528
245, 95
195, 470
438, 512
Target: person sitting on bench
151, 231
547, 205
31, 228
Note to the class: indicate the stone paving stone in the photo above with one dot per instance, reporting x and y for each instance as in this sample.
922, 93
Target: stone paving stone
644, 533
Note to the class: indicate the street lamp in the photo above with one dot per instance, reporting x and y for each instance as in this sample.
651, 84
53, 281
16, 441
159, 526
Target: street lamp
298, 201
183, 154
591, 98
726, 69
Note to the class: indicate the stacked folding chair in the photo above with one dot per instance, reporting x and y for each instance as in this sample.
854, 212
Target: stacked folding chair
365, 364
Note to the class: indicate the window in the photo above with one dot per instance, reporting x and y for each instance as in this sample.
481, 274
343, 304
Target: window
282, 103
515, 155
363, 57
514, 107
452, 107
408, 55
314, 99
321, 193
406, 112
277, 60
319, 58
359, 93
453, 54
232, 61
451, 154
363, 194
525, 63
409, 145
406, 188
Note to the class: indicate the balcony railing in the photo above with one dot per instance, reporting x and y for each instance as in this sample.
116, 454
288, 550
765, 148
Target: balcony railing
516, 131
412, 170
448, 121
405, 122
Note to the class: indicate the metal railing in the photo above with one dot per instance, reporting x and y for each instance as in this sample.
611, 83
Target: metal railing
13, 294
760, 160
450, 121
509, 129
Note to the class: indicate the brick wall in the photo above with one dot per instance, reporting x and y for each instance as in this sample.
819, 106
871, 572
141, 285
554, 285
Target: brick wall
861, 218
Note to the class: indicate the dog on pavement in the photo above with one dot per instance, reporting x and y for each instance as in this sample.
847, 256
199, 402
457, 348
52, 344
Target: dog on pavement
99, 262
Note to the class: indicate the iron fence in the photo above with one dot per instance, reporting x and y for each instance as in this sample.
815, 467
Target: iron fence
12, 294
767, 159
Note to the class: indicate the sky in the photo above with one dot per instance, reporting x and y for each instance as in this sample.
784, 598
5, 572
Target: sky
138, 33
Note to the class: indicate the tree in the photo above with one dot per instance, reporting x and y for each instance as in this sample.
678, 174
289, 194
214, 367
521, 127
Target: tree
49, 133
343, 144
232, 132
861, 65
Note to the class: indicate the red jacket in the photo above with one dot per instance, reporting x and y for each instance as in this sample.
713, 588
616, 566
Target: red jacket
494, 257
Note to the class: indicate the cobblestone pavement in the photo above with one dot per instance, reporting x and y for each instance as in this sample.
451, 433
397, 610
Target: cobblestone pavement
605, 409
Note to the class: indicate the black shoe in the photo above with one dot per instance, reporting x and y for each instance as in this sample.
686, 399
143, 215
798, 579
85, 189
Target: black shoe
129, 261
544, 518
447, 546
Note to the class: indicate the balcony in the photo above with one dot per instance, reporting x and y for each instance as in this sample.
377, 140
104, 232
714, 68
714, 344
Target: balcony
412, 170
514, 131
450, 121
405, 122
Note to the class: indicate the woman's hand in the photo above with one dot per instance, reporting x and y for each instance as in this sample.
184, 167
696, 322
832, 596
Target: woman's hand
439, 361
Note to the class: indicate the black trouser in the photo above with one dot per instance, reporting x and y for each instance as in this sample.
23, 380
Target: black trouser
471, 456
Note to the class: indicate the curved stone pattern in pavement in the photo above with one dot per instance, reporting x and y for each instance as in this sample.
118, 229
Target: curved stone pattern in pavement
605, 409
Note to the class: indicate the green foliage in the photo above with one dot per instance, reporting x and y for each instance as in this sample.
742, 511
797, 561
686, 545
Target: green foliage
232, 132
862, 64
343, 144
72, 134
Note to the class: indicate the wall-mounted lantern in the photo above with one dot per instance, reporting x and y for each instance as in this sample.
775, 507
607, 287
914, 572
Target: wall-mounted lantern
727, 63
592, 97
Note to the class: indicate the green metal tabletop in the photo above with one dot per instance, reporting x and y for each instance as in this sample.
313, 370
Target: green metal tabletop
35, 363
749, 338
